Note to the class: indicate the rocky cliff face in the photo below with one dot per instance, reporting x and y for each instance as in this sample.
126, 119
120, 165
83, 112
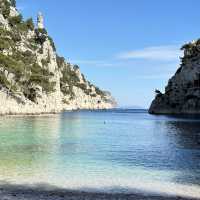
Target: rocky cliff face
182, 94
33, 78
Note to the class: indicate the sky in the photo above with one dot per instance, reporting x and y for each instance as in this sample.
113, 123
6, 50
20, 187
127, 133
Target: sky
129, 47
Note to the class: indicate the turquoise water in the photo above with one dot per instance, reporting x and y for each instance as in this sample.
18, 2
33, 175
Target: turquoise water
115, 150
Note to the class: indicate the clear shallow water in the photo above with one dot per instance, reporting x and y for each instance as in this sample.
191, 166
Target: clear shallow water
111, 150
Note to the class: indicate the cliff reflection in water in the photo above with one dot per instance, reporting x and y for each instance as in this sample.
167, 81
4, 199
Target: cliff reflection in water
186, 149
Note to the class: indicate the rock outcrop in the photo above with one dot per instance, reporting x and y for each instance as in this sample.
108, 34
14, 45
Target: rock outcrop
182, 94
33, 78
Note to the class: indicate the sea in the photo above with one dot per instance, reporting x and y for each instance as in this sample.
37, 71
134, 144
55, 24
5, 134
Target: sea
113, 151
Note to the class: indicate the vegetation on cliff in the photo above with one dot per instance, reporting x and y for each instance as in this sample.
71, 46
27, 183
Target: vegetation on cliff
27, 64
182, 93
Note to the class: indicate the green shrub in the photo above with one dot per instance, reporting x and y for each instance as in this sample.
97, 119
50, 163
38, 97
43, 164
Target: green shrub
44, 62
27, 54
5, 6
42, 77
3, 81
30, 24
30, 93
65, 101
84, 79
32, 44
15, 20
41, 50
84, 88
16, 37
69, 77
11, 65
99, 92
60, 61
93, 95
4, 44
4, 32
22, 27
13, 3
41, 30
52, 43
26, 57
48, 87
67, 90
76, 67
41, 36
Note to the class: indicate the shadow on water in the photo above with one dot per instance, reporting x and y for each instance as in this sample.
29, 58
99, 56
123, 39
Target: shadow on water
170, 143
163, 143
45, 191
185, 146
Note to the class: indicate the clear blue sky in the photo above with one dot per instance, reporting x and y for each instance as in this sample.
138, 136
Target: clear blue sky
129, 47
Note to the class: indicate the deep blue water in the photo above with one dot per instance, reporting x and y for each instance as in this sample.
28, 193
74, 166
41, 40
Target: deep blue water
93, 148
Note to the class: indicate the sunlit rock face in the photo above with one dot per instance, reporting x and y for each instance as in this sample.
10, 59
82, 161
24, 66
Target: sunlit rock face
33, 78
182, 94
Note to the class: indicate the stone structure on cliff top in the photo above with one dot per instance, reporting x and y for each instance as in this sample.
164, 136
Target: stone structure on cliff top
34, 79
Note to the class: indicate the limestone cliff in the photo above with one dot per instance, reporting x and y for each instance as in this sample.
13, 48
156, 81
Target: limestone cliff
33, 78
182, 94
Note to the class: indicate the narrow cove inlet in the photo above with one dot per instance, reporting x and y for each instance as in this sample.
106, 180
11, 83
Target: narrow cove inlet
99, 100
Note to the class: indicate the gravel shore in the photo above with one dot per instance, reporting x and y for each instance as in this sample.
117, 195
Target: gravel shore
43, 192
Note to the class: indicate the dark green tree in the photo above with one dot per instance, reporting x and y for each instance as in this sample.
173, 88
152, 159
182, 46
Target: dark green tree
13, 3
30, 24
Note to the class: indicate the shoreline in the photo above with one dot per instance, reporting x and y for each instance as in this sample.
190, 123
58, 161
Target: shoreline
48, 113
47, 192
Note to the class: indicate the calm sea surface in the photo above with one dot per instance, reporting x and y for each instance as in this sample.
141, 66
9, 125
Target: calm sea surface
115, 150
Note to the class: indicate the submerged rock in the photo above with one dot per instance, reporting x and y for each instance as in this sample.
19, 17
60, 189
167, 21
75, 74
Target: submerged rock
182, 94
